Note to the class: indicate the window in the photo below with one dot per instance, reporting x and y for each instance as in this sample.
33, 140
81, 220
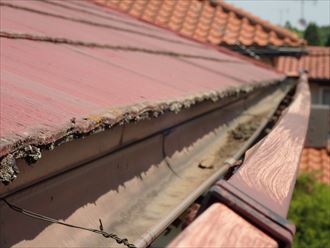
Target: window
325, 96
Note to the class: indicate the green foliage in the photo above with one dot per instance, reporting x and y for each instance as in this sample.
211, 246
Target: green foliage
327, 43
310, 211
312, 34
315, 35
294, 29
325, 35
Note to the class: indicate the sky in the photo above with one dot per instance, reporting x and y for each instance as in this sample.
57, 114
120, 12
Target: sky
279, 11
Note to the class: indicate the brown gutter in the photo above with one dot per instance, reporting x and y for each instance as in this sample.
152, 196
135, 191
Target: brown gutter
261, 190
147, 238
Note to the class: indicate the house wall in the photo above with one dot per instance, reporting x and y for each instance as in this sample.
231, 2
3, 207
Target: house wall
319, 123
320, 92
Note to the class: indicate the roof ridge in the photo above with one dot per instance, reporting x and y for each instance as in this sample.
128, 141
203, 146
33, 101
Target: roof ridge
165, 17
222, 49
254, 18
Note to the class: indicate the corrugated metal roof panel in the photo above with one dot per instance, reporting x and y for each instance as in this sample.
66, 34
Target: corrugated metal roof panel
68, 66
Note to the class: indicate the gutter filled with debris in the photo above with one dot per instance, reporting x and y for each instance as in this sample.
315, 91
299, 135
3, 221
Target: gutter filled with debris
139, 184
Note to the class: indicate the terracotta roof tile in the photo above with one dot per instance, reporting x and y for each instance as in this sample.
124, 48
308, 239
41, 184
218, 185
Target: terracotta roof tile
316, 160
273, 38
317, 63
228, 18
245, 41
260, 41
213, 39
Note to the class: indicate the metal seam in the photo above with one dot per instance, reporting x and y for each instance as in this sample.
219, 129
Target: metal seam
61, 40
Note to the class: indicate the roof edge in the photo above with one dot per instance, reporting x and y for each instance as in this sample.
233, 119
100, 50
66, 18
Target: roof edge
30, 146
266, 24
272, 50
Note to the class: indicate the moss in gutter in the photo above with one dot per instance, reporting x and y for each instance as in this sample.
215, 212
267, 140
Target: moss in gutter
245, 130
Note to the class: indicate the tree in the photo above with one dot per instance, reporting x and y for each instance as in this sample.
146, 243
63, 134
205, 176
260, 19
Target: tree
312, 35
309, 210
293, 29
327, 43
324, 32
288, 25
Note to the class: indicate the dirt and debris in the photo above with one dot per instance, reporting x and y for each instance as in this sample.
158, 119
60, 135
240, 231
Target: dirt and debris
207, 163
245, 130
190, 215
9, 169
240, 134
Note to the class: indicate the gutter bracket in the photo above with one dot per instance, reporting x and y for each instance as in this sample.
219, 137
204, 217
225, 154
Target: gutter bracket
265, 219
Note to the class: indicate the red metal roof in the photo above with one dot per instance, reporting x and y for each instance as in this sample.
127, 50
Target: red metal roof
72, 68
216, 22
317, 63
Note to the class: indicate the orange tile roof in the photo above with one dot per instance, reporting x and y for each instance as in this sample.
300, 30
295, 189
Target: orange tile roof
313, 159
216, 22
317, 63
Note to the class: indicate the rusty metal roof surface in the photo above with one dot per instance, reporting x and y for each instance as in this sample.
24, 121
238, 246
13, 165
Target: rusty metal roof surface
68, 70
216, 22
316, 62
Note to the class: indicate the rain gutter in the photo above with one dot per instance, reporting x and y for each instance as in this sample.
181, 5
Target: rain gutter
148, 237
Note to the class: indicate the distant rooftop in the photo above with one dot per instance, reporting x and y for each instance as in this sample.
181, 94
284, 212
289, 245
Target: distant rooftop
316, 62
213, 21
317, 160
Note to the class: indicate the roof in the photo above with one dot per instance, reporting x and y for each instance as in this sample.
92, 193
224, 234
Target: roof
74, 68
316, 160
316, 62
216, 22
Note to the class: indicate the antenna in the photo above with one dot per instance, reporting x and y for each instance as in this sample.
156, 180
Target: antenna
302, 20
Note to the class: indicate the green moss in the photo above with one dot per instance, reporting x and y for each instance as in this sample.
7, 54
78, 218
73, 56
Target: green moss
310, 211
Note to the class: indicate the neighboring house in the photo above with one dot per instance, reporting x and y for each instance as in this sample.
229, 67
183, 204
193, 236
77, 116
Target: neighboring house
316, 156
317, 64
215, 22
317, 160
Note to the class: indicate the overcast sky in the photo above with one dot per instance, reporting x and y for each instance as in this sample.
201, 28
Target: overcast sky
278, 11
